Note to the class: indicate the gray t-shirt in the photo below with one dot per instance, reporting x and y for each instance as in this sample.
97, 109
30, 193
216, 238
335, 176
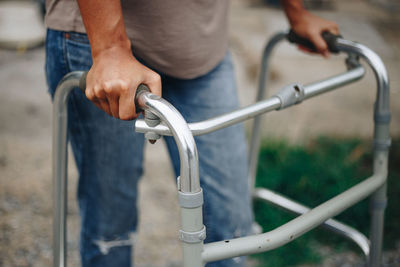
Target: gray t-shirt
184, 39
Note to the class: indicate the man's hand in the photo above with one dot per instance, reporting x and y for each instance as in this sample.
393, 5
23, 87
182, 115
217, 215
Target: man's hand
113, 79
115, 75
309, 26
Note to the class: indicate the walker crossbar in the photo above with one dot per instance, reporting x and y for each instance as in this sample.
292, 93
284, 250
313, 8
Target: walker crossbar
192, 231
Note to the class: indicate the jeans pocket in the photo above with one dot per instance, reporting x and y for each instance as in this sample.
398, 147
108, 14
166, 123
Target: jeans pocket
78, 52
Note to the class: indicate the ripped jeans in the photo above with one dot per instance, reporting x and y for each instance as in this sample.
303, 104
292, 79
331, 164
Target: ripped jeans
109, 156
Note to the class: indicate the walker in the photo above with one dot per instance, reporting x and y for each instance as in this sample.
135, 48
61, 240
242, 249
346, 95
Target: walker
161, 118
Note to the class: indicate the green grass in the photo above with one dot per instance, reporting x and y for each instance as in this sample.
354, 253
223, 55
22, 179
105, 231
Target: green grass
312, 174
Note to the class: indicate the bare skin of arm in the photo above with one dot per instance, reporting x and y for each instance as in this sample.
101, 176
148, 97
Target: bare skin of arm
308, 26
115, 75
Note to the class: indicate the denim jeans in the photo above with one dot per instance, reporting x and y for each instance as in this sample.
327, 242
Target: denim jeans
109, 156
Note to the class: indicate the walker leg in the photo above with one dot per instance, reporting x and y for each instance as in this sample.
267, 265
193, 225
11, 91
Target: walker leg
60, 152
377, 204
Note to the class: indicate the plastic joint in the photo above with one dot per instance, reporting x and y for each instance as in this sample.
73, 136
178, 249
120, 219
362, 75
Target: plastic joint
193, 237
290, 95
382, 117
378, 205
190, 200
382, 144
151, 119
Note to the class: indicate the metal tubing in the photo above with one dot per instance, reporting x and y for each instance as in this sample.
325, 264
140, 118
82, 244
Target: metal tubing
191, 218
381, 140
189, 173
192, 221
254, 144
375, 62
60, 117
327, 85
377, 204
289, 205
242, 114
302, 224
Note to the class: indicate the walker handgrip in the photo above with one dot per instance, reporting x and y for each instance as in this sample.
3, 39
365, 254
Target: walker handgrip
141, 88
329, 38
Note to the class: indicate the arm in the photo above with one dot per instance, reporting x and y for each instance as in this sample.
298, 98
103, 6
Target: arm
115, 75
308, 25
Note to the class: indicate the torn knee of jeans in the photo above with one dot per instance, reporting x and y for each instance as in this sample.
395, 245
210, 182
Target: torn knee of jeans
105, 245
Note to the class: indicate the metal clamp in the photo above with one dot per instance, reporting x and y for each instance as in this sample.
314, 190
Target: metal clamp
290, 95
151, 120
193, 237
190, 200
352, 61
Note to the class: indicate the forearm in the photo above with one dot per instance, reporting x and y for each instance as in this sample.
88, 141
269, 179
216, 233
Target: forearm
294, 9
104, 25
115, 74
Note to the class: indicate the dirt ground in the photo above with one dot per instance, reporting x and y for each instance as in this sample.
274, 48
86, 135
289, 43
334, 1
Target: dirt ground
25, 131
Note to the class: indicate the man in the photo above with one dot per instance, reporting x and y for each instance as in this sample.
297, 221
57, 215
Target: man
180, 46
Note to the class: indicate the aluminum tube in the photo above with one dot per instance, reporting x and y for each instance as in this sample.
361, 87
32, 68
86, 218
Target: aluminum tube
219, 122
192, 221
298, 226
381, 139
382, 78
242, 114
189, 182
377, 204
60, 117
333, 225
324, 86
254, 144
189, 173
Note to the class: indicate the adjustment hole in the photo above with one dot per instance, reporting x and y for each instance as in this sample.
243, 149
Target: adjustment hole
297, 88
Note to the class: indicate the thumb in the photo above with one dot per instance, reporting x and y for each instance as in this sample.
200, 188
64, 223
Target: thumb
320, 44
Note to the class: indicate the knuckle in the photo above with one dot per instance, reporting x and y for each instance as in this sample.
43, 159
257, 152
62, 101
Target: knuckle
124, 87
98, 92
89, 93
107, 87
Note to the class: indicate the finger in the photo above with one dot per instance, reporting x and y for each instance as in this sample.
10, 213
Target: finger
111, 90
305, 49
334, 28
320, 44
113, 102
89, 92
127, 105
105, 106
153, 81
97, 104
101, 97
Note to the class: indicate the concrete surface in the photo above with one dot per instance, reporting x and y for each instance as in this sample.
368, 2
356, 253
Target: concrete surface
21, 25
25, 131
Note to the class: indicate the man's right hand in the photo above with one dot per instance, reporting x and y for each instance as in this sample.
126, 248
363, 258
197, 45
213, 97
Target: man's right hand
113, 79
116, 74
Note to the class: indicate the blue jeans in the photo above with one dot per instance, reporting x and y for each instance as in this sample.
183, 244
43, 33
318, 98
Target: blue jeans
109, 156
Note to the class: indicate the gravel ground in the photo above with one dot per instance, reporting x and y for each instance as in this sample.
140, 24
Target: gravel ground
25, 133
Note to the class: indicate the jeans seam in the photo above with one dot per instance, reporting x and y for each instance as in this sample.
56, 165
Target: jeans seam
64, 41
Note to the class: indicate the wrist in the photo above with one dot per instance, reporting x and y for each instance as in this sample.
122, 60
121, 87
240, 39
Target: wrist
294, 10
113, 52
298, 18
121, 45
